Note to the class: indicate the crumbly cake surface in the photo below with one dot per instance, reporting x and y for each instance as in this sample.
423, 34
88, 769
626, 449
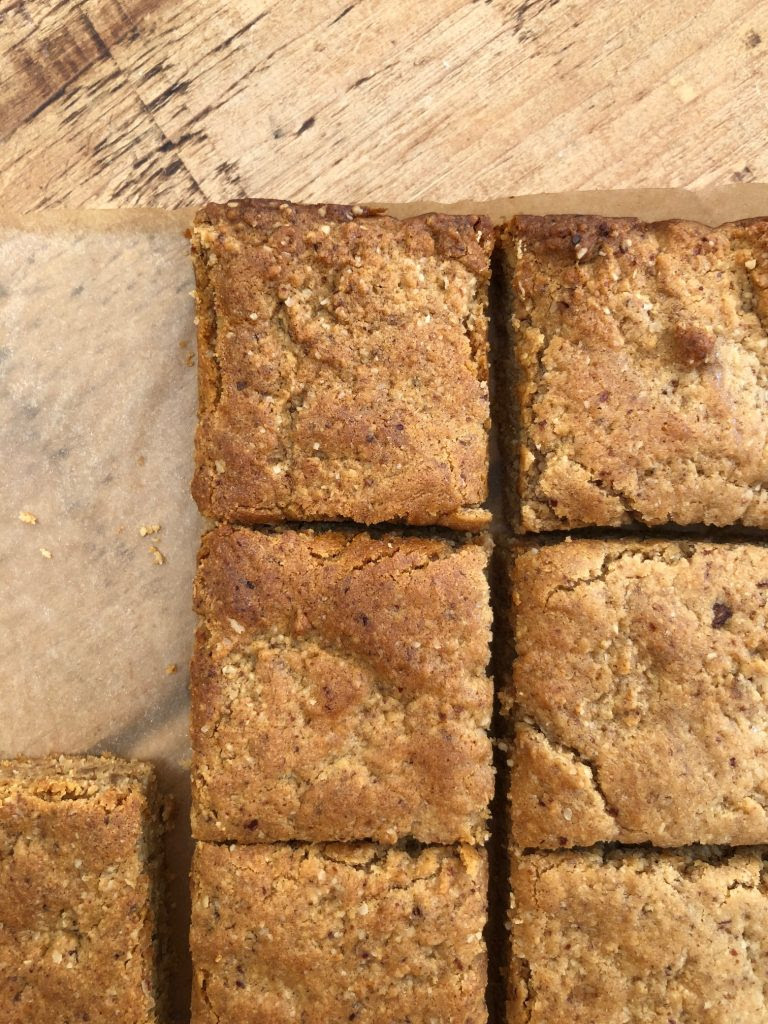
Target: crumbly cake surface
331, 934
342, 365
79, 853
637, 363
639, 937
339, 688
639, 693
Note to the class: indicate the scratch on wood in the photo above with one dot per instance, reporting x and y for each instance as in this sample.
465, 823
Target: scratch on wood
360, 81
226, 43
101, 47
745, 174
177, 89
46, 103
156, 69
367, 78
192, 137
306, 126
228, 171
529, 8
343, 14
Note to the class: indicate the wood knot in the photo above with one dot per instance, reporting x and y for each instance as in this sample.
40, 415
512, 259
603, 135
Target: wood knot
695, 346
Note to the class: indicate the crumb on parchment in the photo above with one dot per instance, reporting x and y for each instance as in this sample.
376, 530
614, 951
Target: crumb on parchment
148, 529
28, 517
157, 554
171, 669
45, 553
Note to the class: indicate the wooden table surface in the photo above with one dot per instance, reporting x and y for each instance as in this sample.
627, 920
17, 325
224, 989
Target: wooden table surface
168, 102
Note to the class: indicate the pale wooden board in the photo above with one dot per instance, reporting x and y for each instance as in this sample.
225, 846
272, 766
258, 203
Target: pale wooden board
168, 102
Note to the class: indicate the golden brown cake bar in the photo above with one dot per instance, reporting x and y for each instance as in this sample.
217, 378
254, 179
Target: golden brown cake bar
637, 365
80, 894
330, 934
342, 365
639, 693
635, 936
339, 688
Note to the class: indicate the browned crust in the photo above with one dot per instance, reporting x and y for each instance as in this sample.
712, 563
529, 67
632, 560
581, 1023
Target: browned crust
561, 234
250, 211
637, 360
81, 922
272, 387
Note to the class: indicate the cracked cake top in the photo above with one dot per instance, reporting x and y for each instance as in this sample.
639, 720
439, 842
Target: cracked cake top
618, 935
339, 687
639, 693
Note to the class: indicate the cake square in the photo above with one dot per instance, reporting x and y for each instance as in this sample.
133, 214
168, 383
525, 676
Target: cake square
638, 936
639, 693
637, 366
80, 904
339, 688
328, 934
342, 365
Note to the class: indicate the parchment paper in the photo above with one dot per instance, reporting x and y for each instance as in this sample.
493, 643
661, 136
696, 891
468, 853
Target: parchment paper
97, 414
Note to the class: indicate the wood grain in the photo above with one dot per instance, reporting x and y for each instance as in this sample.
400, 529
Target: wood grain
168, 102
